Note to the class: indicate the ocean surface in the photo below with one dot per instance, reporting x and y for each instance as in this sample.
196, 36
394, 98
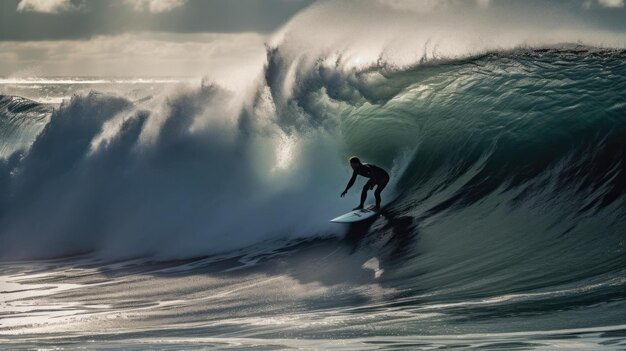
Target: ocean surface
176, 213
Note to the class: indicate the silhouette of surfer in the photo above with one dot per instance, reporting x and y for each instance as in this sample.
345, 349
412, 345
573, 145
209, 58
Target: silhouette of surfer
378, 177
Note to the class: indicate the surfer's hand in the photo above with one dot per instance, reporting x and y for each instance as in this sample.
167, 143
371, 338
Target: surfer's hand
343, 194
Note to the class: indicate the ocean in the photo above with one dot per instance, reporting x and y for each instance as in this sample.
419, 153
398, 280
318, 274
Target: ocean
175, 213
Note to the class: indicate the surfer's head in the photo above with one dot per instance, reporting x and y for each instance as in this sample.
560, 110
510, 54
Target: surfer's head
354, 162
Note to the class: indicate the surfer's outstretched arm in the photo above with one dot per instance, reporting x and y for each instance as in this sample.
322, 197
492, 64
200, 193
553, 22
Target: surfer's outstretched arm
350, 183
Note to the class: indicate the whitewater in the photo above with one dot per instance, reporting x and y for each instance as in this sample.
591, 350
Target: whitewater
183, 213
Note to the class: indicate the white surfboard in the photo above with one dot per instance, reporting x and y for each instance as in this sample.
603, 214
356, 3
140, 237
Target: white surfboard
355, 216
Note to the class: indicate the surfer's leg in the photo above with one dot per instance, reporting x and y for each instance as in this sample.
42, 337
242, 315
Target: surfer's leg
377, 195
379, 189
364, 194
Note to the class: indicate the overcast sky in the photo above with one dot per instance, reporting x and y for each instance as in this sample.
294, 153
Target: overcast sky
188, 37
65, 19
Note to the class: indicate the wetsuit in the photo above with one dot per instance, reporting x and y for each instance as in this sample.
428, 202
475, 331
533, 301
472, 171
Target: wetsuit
377, 176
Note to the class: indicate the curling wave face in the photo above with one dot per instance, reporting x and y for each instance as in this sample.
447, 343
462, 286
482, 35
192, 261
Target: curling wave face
538, 132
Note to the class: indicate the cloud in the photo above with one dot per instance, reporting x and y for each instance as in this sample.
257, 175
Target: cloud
483, 3
611, 3
428, 6
588, 4
45, 6
154, 6
420, 6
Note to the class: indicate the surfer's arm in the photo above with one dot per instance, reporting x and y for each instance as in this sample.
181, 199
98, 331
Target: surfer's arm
350, 183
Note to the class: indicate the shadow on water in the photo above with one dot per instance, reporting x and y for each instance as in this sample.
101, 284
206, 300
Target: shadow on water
401, 231
358, 231
329, 261
388, 238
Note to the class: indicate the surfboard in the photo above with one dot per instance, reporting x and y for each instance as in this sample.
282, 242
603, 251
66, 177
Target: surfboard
355, 216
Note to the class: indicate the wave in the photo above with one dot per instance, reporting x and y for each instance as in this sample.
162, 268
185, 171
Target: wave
532, 133
106, 175
466, 118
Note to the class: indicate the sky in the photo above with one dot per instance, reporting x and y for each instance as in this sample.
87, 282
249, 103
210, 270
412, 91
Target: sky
196, 37
135, 37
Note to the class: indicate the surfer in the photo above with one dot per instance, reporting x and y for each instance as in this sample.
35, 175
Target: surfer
377, 176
